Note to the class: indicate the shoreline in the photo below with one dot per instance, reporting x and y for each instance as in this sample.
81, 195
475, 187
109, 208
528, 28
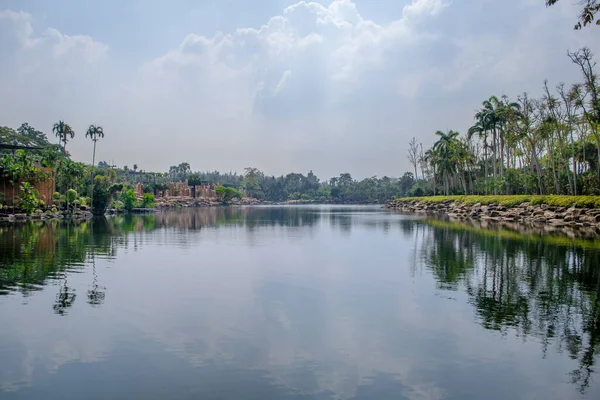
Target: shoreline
524, 215
165, 204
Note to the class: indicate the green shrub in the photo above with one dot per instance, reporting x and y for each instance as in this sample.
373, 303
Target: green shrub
129, 199
227, 193
116, 204
29, 200
148, 200
72, 195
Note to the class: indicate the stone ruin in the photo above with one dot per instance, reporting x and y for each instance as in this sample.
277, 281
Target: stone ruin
182, 189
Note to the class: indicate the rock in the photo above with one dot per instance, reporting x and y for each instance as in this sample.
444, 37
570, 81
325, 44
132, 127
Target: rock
556, 222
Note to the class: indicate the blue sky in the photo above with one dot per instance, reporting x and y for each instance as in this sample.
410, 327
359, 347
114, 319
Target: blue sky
331, 86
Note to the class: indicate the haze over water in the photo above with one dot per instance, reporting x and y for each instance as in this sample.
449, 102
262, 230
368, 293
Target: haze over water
313, 302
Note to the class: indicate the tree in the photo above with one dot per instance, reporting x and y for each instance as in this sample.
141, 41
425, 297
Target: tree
226, 194
251, 182
446, 149
184, 169
94, 133
413, 154
63, 132
587, 15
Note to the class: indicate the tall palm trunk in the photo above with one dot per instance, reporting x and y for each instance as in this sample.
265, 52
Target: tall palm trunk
574, 163
92, 184
485, 164
494, 155
553, 166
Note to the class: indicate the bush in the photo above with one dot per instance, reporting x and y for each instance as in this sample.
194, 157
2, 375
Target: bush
29, 200
72, 195
116, 204
129, 199
148, 200
417, 192
227, 193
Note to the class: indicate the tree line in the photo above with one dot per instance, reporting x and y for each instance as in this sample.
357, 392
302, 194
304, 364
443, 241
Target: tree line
545, 145
297, 186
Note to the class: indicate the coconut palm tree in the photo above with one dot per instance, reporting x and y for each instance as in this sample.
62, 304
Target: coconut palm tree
431, 156
481, 130
63, 132
446, 148
94, 132
489, 114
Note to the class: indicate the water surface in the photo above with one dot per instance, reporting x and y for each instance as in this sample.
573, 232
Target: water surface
295, 303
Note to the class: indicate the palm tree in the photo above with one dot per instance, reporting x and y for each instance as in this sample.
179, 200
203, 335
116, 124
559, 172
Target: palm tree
94, 132
480, 129
446, 148
489, 114
135, 167
431, 156
63, 132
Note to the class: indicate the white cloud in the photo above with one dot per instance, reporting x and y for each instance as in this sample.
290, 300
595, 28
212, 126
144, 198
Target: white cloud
315, 87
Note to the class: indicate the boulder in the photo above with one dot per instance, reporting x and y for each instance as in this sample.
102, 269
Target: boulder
556, 222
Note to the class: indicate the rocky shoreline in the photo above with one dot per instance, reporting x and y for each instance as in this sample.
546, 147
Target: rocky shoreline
524, 214
79, 214
161, 204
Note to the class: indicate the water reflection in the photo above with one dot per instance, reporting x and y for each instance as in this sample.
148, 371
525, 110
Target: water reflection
295, 302
535, 285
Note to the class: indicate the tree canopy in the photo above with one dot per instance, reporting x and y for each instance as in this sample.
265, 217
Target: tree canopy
587, 14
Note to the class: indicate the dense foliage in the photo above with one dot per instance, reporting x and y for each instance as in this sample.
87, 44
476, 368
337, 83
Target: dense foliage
227, 193
549, 145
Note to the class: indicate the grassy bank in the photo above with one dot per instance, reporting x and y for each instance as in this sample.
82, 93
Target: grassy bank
514, 200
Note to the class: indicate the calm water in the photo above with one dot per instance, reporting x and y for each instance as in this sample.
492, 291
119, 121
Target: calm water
295, 303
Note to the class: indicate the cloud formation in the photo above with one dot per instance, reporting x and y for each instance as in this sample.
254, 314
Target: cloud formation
316, 87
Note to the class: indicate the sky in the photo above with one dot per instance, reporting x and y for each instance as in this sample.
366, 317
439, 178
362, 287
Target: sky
280, 85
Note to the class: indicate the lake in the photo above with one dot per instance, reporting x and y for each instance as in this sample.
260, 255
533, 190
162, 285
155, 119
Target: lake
306, 302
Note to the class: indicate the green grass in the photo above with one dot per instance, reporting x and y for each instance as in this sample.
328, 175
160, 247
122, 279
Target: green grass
514, 200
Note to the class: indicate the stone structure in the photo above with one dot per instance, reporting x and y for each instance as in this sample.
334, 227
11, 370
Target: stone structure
45, 188
204, 191
139, 190
182, 189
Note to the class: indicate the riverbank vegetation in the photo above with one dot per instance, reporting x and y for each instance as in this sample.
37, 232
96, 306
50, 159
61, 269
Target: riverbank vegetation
515, 200
521, 145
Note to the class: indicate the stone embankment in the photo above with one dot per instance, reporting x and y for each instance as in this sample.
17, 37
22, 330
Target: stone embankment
524, 213
80, 213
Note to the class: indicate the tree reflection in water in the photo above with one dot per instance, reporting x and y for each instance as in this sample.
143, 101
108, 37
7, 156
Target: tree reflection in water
532, 285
